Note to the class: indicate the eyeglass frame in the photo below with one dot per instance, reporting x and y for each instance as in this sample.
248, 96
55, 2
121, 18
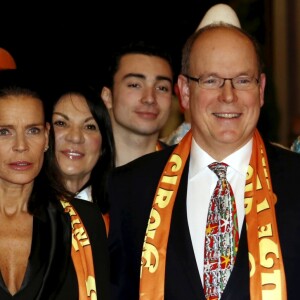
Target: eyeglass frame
224, 79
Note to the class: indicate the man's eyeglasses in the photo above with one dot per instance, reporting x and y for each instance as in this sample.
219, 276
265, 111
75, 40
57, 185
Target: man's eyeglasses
242, 83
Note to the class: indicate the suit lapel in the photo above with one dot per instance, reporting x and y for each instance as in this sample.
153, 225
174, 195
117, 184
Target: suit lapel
59, 253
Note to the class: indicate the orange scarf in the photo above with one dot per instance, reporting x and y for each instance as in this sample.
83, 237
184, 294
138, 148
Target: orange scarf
158, 146
106, 220
81, 255
267, 278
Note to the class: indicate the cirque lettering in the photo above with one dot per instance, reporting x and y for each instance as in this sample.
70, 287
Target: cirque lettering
268, 249
153, 223
74, 222
265, 230
69, 208
263, 205
149, 250
82, 237
252, 265
78, 231
164, 195
91, 287
248, 201
274, 279
81, 255
150, 258
177, 160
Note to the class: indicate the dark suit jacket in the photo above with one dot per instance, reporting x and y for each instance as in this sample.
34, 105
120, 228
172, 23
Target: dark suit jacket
50, 273
132, 189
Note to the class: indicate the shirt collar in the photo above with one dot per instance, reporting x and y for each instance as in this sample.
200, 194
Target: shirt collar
85, 194
239, 160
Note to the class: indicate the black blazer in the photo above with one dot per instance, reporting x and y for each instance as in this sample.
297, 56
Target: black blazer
132, 189
50, 274
92, 219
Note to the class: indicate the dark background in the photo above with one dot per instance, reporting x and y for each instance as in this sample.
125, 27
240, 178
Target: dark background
74, 39
70, 39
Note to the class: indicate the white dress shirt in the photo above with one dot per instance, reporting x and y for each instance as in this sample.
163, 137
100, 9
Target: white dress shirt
201, 183
85, 194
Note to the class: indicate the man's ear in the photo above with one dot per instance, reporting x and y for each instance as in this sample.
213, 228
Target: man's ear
184, 90
262, 85
106, 97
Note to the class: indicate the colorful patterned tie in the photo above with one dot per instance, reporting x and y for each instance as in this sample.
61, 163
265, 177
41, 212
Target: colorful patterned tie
221, 237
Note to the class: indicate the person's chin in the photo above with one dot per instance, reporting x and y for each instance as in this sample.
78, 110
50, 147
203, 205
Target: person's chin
70, 170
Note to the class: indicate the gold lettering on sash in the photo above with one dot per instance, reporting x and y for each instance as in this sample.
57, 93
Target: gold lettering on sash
153, 223
70, 209
265, 262
163, 197
249, 173
249, 187
74, 241
263, 205
252, 265
74, 222
149, 252
91, 287
64, 204
94, 296
265, 230
266, 247
169, 179
165, 191
80, 234
176, 159
248, 202
82, 237
265, 170
273, 281
258, 183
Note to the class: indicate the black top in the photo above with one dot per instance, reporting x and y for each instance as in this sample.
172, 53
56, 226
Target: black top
50, 272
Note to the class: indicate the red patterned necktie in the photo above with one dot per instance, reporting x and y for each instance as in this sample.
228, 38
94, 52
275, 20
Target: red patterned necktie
221, 236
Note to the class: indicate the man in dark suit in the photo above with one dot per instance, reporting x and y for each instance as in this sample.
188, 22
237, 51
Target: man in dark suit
159, 202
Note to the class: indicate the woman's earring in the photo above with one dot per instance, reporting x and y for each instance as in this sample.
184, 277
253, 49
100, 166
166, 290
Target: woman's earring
46, 148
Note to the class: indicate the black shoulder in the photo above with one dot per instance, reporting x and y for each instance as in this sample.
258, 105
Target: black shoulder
156, 159
277, 152
90, 215
163, 145
284, 166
